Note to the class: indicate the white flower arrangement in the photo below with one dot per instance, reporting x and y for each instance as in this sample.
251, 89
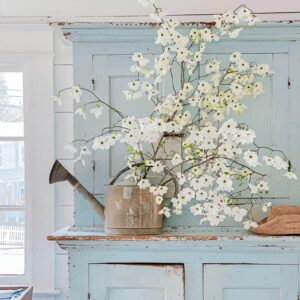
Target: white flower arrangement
217, 151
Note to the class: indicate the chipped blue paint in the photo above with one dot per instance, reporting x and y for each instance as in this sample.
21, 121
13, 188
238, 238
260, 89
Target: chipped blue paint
214, 261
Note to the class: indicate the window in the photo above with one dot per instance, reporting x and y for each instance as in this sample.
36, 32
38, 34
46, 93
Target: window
12, 186
31, 197
8, 155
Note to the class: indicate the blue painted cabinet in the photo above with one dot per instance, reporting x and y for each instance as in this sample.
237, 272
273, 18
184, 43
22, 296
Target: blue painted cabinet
136, 282
199, 265
259, 282
187, 261
221, 282
102, 60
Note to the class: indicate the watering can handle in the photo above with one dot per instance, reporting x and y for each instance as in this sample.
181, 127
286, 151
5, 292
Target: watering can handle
115, 178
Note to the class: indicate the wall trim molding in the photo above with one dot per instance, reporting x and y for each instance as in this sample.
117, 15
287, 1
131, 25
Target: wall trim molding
121, 32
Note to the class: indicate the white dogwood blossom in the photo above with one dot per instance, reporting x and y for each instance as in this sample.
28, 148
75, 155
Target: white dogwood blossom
84, 151
76, 93
97, 111
291, 175
251, 158
266, 206
248, 224
81, 111
190, 150
57, 99
144, 183
158, 190
165, 211
176, 159
157, 167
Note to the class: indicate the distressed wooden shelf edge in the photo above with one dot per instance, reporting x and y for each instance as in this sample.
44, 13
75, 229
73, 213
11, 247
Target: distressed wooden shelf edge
171, 234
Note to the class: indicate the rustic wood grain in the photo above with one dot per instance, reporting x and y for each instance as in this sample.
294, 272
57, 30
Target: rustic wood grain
130, 210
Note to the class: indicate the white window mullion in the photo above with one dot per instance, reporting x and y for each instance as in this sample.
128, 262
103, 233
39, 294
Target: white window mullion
11, 138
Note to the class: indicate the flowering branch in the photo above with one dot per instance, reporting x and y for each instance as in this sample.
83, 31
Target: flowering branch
76, 93
218, 160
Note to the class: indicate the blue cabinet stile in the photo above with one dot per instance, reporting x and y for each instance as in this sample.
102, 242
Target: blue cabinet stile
187, 261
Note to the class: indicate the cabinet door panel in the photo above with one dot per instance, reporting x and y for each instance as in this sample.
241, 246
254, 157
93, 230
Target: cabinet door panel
135, 294
135, 282
257, 294
248, 282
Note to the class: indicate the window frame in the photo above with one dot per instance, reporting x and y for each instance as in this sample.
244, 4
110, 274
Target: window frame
35, 55
22, 66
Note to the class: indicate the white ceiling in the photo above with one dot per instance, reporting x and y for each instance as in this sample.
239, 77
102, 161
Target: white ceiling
129, 10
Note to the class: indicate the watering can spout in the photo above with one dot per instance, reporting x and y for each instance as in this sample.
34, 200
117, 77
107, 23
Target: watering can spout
60, 173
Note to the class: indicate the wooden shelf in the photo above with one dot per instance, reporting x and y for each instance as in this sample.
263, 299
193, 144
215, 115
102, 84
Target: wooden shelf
170, 234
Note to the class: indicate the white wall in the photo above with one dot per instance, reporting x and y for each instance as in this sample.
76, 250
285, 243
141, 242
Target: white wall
63, 125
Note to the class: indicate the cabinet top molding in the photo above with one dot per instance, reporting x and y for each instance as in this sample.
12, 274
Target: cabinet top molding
128, 32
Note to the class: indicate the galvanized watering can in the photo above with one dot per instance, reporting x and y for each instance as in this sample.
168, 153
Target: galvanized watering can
128, 209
